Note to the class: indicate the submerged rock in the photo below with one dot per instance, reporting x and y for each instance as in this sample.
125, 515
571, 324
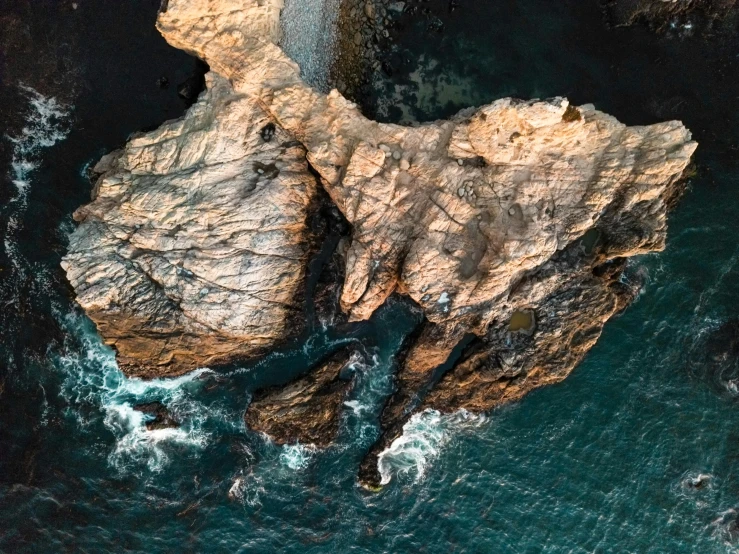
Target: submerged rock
514, 208
713, 357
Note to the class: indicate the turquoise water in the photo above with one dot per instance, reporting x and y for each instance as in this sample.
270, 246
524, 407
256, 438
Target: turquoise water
637, 451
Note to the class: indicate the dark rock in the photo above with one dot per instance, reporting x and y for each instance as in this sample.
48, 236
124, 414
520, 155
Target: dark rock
505, 365
661, 15
190, 88
162, 418
267, 132
714, 358
306, 410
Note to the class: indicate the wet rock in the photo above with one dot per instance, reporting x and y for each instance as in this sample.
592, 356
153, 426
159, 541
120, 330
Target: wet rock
189, 89
308, 409
369, 9
713, 357
162, 418
668, 15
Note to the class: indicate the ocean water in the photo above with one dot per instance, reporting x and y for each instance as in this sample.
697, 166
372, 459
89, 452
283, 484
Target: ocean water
637, 451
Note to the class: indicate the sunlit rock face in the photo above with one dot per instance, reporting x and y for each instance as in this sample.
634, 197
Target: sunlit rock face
515, 207
193, 251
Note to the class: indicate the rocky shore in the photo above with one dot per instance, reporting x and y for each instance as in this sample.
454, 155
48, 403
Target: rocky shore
308, 409
509, 225
665, 15
364, 28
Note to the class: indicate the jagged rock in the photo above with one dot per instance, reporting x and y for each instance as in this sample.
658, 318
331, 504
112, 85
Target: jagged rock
571, 296
308, 409
193, 251
162, 418
517, 207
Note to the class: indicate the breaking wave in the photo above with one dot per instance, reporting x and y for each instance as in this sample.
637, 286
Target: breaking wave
423, 438
46, 123
297, 456
96, 389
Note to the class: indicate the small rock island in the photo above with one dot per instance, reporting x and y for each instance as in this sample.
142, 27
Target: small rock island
509, 226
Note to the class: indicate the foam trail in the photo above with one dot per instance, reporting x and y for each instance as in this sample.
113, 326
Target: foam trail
297, 456
247, 489
423, 438
92, 379
46, 124
309, 38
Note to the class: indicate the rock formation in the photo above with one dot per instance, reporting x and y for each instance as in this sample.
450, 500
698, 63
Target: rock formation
194, 249
663, 14
308, 409
160, 416
509, 223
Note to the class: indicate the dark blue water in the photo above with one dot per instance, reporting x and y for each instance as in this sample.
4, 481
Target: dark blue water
638, 451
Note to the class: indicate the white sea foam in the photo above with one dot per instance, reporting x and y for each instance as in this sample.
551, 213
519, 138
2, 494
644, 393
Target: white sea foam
247, 489
372, 382
423, 438
357, 407
725, 528
297, 456
46, 123
93, 380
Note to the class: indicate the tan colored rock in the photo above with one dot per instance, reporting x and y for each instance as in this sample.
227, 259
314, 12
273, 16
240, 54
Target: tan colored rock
193, 251
459, 214
308, 410
537, 180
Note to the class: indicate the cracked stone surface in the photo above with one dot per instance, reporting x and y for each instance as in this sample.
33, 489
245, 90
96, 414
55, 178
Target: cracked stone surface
513, 206
194, 249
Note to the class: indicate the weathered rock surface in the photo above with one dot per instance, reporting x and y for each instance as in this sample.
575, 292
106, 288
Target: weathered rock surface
193, 251
308, 409
517, 207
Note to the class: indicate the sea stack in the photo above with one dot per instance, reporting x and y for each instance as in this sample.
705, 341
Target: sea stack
194, 249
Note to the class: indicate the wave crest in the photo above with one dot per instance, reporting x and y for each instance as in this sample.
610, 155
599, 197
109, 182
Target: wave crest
423, 438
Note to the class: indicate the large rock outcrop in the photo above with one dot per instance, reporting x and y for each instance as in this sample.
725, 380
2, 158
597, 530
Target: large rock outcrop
194, 249
509, 222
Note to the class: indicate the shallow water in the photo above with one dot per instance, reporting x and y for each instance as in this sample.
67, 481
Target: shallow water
636, 452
